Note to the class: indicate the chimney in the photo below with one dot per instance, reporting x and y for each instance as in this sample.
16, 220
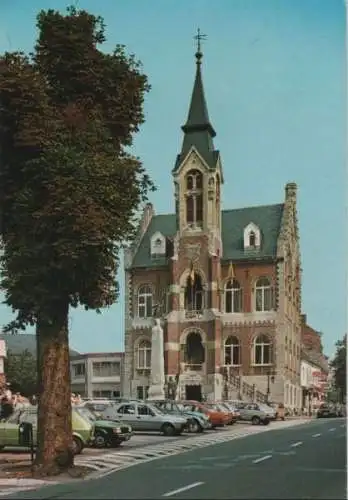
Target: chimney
290, 191
304, 319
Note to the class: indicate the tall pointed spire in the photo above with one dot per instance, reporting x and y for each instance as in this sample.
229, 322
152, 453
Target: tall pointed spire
198, 131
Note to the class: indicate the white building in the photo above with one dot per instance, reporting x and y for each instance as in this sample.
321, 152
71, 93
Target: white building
314, 373
97, 375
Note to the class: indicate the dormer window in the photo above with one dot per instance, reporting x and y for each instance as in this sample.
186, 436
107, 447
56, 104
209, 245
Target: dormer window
252, 237
158, 245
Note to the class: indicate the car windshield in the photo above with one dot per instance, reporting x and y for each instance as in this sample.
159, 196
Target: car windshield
86, 414
155, 410
181, 407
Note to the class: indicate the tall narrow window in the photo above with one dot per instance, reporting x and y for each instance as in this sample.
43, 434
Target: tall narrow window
233, 297
262, 350
194, 198
232, 351
145, 301
263, 295
252, 239
144, 355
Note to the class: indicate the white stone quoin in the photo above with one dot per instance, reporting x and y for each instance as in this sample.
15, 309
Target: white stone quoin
157, 378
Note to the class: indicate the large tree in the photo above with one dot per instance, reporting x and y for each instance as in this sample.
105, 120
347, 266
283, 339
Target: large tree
339, 365
69, 194
21, 372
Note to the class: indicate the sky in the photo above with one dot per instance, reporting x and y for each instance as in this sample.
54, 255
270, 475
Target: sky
274, 77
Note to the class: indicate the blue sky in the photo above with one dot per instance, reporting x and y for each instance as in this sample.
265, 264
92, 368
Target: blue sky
274, 75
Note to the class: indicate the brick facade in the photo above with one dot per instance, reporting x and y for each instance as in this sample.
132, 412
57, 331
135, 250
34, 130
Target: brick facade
197, 316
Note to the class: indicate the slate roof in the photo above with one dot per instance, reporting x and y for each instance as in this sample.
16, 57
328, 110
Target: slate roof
18, 343
198, 131
267, 218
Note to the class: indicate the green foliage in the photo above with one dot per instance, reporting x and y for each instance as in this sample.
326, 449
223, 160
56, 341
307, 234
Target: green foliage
339, 364
21, 372
69, 190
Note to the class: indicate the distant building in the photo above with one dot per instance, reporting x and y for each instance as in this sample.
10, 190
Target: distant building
97, 374
311, 339
314, 377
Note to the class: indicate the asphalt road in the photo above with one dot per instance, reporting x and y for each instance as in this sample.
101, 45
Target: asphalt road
302, 462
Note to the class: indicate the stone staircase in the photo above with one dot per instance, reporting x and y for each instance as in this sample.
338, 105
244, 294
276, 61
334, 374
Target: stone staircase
238, 389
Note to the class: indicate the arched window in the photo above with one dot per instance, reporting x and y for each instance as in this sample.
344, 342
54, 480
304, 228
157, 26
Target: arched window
262, 350
263, 295
252, 239
232, 352
194, 198
233, 297
144, 355
145, 301
194, 295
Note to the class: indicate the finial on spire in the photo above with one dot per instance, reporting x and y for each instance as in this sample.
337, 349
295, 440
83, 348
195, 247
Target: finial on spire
199, 37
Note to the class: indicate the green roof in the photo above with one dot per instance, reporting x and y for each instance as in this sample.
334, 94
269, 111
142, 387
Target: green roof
267, 218
20, 342
198, 131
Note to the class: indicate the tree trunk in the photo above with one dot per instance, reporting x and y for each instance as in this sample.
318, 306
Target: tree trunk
55, 451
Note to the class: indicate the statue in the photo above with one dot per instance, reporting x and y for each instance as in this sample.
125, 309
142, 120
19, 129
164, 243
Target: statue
172, 388
157, 377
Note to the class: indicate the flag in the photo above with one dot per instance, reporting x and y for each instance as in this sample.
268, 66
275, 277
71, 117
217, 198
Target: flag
192, 273
230, 270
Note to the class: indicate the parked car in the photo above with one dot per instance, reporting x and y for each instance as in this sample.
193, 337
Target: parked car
106, 433
146, 417
196, 421
327, 411
83, 430
234, 412
216, 417
223, 409
270, 410
254, 413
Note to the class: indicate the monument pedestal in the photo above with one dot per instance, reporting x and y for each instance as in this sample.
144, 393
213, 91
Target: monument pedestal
157, 376
156, 392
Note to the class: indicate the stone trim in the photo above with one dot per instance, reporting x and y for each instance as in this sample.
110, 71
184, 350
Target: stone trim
172, 346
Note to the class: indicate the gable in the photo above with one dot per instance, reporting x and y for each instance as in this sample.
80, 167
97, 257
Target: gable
267, 218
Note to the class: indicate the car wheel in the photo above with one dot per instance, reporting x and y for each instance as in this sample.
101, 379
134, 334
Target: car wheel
266, 421
116, 444
194, 426
100, 441
77, 445
168, 429
255, 420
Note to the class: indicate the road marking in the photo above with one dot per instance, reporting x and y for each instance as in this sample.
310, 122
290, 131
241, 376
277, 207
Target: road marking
184, 488
266, 457
295, 445
343, 425
316, 435
332, 429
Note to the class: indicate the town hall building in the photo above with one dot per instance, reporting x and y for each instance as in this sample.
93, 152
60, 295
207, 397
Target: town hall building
225, 282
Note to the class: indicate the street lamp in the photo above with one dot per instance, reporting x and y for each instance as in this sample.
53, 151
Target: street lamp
270, 378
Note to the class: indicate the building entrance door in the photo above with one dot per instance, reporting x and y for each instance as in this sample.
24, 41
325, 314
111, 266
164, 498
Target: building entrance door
193, 392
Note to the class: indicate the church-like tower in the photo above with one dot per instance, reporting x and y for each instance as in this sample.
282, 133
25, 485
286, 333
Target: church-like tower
198, 172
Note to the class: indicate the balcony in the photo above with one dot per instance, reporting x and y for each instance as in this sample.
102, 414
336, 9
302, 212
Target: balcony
189, 367
194, 308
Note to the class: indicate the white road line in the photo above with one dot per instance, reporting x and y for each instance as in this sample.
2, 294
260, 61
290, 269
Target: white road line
343, 425
316, 435
332, 429
295, 445
184, 488
266, 457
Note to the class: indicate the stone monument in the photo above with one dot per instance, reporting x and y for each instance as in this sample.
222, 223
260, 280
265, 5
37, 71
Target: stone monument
157, 377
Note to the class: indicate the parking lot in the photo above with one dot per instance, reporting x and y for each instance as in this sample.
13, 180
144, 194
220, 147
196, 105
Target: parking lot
138, 440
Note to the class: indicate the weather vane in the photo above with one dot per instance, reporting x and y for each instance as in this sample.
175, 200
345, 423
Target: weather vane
199, 37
